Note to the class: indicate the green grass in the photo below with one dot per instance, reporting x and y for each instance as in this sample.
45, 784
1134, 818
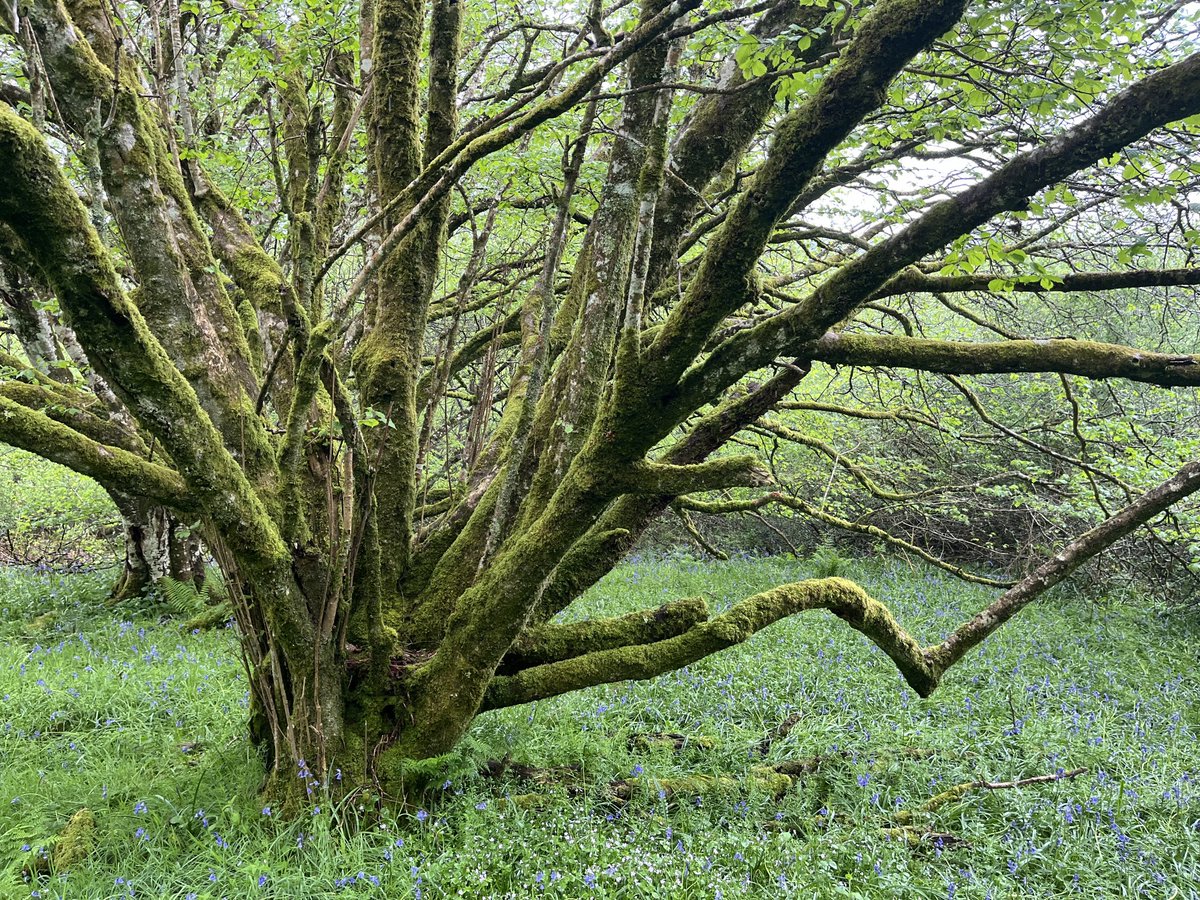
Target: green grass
143, 725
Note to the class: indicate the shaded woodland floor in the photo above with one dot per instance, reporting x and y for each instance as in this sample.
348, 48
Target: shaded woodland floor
796, 764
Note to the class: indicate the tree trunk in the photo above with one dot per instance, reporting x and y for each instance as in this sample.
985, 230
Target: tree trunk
157, 545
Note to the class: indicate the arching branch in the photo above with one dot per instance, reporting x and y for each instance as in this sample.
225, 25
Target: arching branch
922, 667
113, 467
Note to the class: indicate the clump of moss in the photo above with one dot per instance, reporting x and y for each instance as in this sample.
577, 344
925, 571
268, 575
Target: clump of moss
42, 623
75, 842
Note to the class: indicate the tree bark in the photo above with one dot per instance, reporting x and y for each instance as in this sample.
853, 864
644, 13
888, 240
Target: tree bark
156, 545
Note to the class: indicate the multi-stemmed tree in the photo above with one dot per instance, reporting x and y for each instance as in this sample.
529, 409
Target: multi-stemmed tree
426, 316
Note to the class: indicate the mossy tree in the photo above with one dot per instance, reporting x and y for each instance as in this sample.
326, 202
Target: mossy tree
405, 484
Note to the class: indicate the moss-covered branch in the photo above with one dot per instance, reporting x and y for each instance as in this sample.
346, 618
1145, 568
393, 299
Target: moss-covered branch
291, 451
181, 296
922, 667
888, 38
1166, 96
552, 642
1088, 358
741, 622
113, 467
79, 411
593, 556
913, 280
903, 414
43, 210
958, 791
702, 542
668, 480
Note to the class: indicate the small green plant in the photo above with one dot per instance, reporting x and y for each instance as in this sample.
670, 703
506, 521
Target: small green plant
828, 562
204, 606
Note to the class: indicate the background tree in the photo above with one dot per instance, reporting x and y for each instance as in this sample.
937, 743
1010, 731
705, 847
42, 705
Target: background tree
427, 311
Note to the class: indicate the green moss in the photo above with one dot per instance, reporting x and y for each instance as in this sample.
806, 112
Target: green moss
75, 842
530, 801
37, 201
744, 619
422, 620
552, 642
761, 780
42, 623
213, 617
249, 318
111, 466
650, 743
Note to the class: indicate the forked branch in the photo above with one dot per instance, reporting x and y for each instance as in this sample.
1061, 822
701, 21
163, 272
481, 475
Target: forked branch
921, 666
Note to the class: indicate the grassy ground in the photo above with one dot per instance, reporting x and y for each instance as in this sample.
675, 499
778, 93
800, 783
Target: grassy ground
142, 724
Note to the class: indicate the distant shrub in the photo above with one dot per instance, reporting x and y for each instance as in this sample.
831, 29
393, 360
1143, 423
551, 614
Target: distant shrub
53, 518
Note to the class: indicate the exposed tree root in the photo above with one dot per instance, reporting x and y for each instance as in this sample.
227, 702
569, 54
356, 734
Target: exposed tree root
778, 733
960, 790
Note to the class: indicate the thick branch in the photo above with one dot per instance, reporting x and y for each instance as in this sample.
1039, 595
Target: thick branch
111, 466
42, 209
549, 643
666, 480
889, 38
79, 411
922, 667
741, 622
1089, 358
180, 293
912, 280
1166, 96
